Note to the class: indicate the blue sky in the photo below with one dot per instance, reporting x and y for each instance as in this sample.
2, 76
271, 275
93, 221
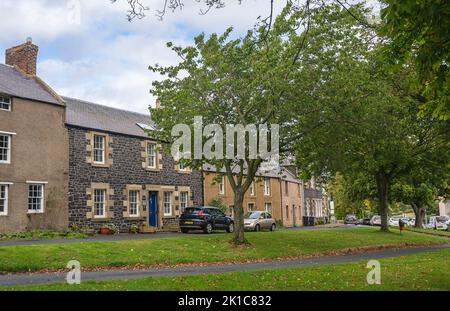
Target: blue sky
104, 58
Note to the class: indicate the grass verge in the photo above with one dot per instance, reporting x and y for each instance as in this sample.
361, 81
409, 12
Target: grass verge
424, 271
205, 249
44, 234
430, 231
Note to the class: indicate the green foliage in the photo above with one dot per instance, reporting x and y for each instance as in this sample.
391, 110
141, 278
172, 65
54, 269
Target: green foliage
351, 196
45, 234
420, 31
217, 202
267, 76
378, 134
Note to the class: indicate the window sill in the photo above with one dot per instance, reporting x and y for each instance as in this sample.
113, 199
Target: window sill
31, 213
134, 217
101, 219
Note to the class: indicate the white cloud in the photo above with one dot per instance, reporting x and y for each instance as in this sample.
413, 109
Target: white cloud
105, 58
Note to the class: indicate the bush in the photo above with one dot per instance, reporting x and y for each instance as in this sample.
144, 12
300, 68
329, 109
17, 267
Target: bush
217, 202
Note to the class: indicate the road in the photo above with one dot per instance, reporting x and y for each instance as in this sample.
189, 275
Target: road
50, 278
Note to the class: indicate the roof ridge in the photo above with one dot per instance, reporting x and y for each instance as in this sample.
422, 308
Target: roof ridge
109, 107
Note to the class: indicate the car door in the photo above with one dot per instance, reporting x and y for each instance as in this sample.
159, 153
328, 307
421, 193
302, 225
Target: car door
265, 221
222, 219
269, 220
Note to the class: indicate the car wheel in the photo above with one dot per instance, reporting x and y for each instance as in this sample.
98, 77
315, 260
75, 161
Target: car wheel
184, 230
272, 228
230, 228
209, 228
257, 228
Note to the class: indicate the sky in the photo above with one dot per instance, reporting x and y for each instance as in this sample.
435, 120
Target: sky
89, 50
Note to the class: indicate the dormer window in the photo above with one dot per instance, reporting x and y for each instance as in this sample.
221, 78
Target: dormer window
5, 103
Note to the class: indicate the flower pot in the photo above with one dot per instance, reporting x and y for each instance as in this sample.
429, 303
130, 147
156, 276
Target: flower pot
105, 231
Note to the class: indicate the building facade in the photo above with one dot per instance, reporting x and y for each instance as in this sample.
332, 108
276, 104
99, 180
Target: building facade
278, 193
33, 147
118, 174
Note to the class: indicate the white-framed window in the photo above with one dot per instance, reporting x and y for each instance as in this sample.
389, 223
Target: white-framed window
167, 203
184, 199
99, 203
268, 207
252, 188
99, 149
251, 207
5, 148
35, 198
222, 185
151, 155
134, 201
4, 199
5, 103
266, 186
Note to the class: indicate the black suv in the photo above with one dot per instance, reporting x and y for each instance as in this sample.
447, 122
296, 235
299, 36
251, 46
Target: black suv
205, 218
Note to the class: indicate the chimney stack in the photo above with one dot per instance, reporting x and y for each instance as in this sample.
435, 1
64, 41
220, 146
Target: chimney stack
23, 56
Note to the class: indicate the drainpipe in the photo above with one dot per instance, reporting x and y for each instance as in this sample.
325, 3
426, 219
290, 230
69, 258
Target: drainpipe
281, 201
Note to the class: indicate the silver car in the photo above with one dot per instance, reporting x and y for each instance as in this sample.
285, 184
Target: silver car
258, 220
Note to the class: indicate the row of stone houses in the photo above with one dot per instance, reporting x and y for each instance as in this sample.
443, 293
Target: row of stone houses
67, 162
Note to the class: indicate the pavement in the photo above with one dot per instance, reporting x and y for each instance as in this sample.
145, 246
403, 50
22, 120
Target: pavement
52, 278
159, 235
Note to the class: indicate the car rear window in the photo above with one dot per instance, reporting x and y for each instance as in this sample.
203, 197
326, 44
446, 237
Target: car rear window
195, 211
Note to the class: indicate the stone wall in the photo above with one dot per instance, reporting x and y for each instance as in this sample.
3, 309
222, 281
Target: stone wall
126, 170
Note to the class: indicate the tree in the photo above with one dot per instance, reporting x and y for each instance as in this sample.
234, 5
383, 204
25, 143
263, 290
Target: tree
265, 77
428, 180
420, 31
377, 132
217, 202
352, 195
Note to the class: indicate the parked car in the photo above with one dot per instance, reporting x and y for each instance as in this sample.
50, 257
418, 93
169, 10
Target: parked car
437, 223
257, 221
375, 221
350, 219
394, 222
366, 221
205, 218
411, 222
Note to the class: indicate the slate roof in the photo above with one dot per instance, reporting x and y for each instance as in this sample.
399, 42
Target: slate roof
281, 173
17, 84
89, 115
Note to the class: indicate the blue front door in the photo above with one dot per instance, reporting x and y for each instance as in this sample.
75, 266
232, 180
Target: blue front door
153, 209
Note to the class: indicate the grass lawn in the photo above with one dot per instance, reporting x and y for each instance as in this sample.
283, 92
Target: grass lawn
195, 249
425, 271
432, 231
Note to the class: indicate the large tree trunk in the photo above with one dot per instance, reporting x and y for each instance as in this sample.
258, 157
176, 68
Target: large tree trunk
382, 187
419, 211
239, 238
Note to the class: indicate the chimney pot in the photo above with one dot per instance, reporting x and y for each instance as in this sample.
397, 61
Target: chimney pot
23, 56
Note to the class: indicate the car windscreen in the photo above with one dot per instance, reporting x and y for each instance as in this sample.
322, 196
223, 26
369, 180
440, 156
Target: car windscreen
252, 215
441, 219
